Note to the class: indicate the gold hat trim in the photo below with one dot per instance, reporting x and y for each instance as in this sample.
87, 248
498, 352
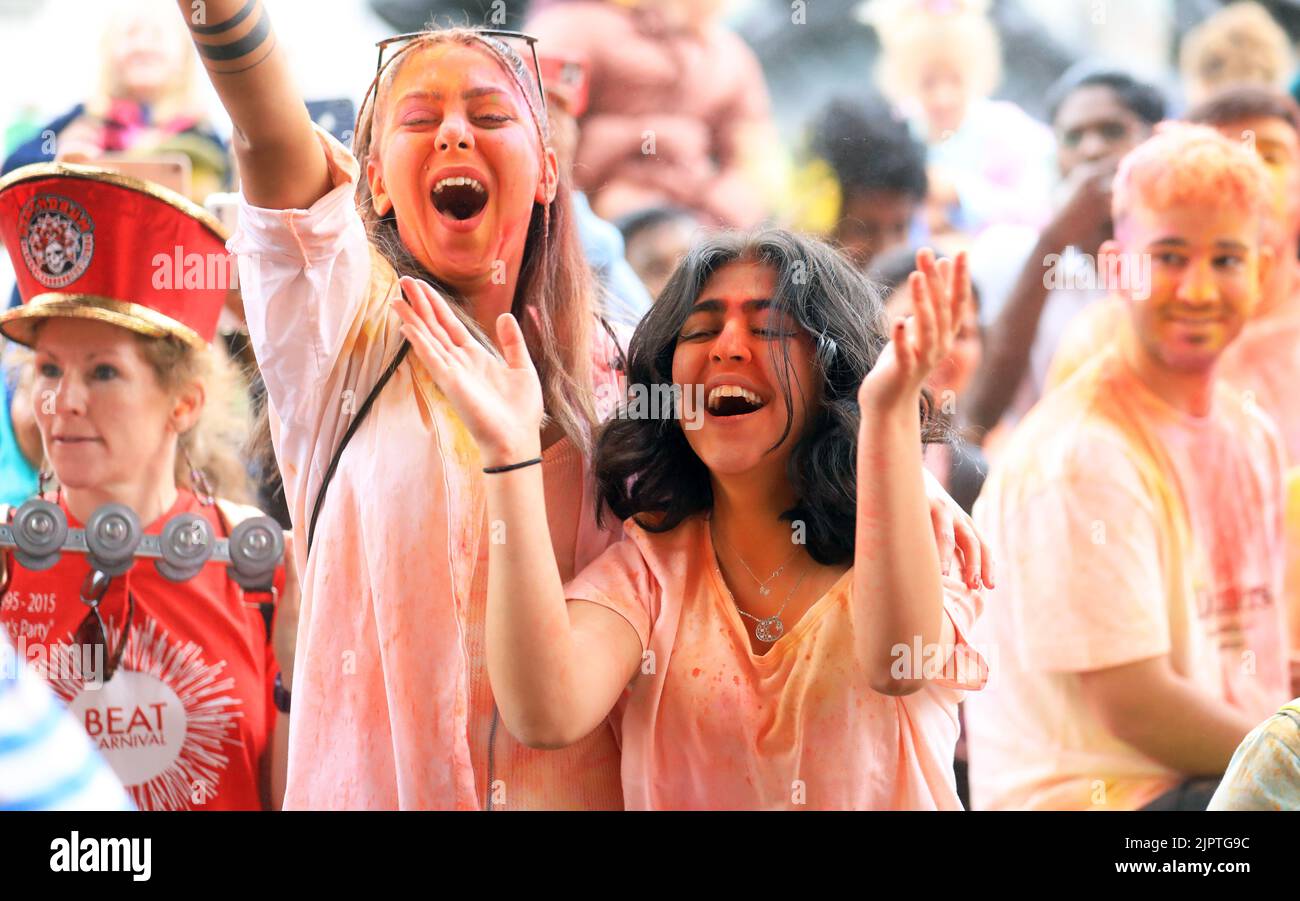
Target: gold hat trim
18, 323
94, 173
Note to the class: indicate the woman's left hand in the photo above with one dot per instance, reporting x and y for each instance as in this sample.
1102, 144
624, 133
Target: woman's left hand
918, 342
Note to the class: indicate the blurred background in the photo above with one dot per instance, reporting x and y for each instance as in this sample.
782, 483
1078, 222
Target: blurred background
330, 41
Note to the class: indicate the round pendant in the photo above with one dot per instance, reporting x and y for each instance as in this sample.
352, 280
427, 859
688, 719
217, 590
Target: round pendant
764, 590
770, 629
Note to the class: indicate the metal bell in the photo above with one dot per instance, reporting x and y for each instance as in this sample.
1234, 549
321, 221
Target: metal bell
256, 548
186, 544
113, 532
39, 529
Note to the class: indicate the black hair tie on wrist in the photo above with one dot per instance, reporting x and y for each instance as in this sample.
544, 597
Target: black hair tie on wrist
510, 466
280, 694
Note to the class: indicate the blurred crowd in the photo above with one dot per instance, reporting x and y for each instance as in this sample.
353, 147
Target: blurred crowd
662, 122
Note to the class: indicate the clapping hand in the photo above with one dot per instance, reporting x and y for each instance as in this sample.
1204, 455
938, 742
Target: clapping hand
499, 398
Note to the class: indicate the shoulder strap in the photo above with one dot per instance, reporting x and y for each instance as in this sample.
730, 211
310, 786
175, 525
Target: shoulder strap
347, 436
620, 364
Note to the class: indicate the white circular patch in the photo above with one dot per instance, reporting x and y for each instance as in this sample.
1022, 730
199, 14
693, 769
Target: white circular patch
136, 721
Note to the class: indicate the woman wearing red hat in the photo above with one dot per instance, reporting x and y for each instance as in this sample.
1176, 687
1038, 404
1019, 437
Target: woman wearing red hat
173, 678
454, 182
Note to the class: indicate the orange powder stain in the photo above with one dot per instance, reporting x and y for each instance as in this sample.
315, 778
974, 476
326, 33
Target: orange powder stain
423, 389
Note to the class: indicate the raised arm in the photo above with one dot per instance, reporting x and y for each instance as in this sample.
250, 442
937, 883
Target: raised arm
556, 668
1082, 222
897, 590
281, 164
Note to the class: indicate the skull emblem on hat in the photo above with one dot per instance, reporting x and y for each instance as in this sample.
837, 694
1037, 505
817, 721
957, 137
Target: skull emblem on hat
57, 240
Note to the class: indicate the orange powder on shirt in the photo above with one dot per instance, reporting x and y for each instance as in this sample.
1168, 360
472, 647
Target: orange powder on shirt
1124, 530
708, 724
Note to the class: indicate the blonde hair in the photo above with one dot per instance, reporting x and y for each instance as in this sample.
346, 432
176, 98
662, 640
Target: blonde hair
213, 444
914, 33
1239, 44
555, 296
1188, 165
181, 97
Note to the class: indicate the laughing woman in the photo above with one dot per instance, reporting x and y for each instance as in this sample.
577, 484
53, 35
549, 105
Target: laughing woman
776, 632
453, 180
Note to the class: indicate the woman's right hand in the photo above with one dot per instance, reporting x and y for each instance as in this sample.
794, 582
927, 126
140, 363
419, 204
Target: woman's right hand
499, 401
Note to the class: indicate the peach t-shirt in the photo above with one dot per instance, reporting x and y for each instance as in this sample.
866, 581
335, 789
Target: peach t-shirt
707, 724
391, 707
1124, 530
1263, 363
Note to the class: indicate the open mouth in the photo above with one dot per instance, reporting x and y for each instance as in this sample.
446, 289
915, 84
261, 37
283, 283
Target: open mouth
732, 400
459, 198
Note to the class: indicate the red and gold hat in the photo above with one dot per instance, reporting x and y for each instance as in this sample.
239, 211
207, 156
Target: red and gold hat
95, 244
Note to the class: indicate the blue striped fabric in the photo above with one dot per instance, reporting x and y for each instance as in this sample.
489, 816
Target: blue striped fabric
35, 733
46, 760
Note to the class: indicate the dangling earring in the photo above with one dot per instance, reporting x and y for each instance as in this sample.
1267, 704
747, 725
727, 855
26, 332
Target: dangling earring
42, 477
199, 482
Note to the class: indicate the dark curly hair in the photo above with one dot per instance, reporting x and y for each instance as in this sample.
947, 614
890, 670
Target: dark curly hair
869, 147
644, 468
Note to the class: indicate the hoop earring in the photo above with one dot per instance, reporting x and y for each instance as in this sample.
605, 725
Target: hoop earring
202, 488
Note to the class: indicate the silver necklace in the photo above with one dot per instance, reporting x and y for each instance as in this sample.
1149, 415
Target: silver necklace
762, 584
769, 628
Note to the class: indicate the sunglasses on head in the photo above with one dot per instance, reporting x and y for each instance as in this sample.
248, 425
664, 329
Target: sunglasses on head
391, 48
